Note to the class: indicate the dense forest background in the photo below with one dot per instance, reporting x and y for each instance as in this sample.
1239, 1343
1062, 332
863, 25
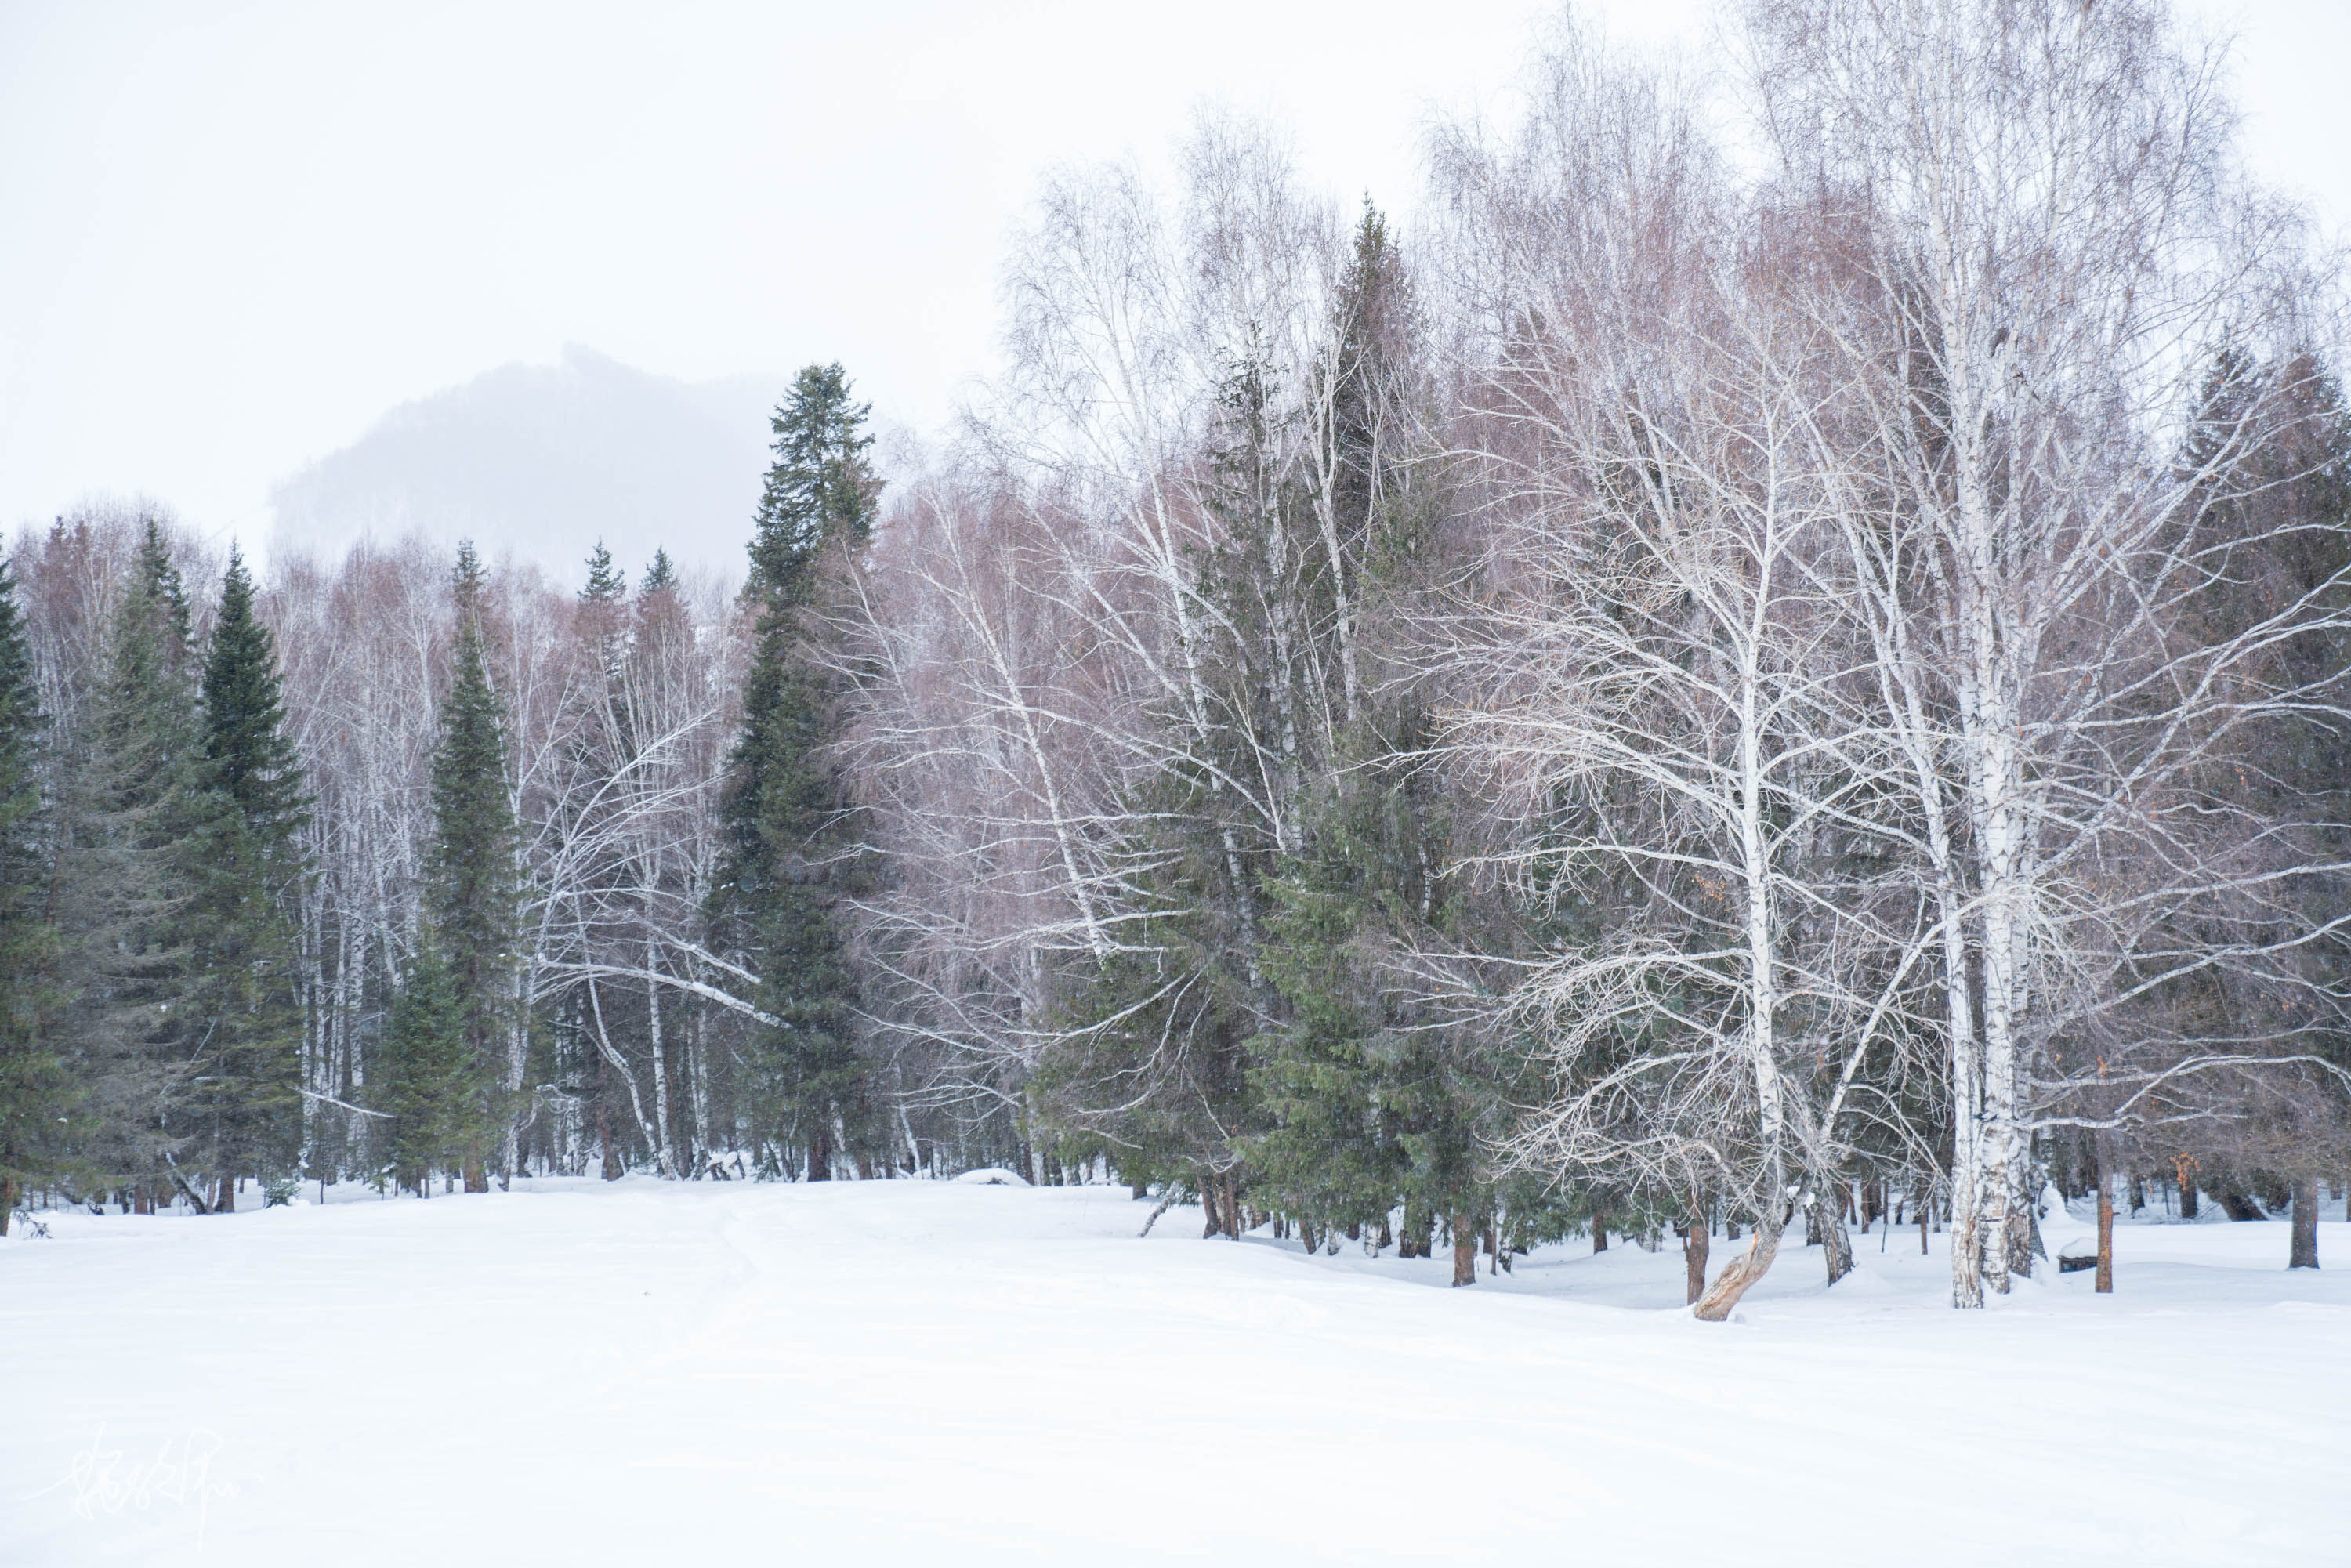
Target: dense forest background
1708, 683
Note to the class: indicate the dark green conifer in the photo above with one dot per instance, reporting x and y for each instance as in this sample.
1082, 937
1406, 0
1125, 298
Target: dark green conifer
607, 584
1373, 1106
470, 885
247, 862
34, 1093
430, 1079
788, 854
138, 813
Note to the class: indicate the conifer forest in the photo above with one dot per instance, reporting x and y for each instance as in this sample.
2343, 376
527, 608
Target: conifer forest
1700, 686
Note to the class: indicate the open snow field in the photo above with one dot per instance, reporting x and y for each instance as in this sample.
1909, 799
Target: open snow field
915, 1373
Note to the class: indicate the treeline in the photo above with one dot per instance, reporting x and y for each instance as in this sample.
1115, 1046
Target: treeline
1684, 691
1688, 690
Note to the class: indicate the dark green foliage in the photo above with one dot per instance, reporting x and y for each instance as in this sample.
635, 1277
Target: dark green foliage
660, 575
471, 892
34, 1093
138, 811
820, 490
245, 866
607, 584
1355, 1097
431, 1079
1252, 1037
789, 854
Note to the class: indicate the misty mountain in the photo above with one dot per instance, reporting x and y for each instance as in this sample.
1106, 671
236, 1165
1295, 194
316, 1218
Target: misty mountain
543, 460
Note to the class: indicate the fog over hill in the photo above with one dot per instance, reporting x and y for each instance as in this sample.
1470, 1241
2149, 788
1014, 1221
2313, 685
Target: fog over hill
542, 461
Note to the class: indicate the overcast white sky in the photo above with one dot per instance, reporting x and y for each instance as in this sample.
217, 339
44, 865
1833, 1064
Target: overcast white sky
234, 235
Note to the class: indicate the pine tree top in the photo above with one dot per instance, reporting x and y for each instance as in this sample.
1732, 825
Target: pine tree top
820, 490
158, 584
244, 715
660, 575
471, 866
606, 583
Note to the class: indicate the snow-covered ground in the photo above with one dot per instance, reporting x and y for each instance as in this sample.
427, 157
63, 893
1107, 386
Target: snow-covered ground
916, 1372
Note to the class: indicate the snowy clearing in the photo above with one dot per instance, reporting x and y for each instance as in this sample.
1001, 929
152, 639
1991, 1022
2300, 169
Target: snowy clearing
902, 1372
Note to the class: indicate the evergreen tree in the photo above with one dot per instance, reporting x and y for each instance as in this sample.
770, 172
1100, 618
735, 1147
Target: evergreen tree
139, 814
607, 584
246, 863
470, 885
35, 1094
789, 855
430, 1078
1372, 1107
660, 575
600, 602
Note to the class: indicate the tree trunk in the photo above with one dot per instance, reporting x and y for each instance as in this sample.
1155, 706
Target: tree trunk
604, 1135
820, 1151
1465, 1252
478, 1174
664, 1153
7, 1201
2304, 1251
1209, 1207
2187, 1193
1599, 1228
2241, 1207
1696, 1243
2024, 1231
1836, 1242
1742, 1271
2106, 1285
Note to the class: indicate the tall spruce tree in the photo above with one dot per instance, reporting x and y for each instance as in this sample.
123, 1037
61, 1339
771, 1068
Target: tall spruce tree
34, 1093
245, 867
1374, 1105
138, 813
472, 893
789, 857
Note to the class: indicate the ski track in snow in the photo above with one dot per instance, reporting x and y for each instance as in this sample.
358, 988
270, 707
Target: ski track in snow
919, 1372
